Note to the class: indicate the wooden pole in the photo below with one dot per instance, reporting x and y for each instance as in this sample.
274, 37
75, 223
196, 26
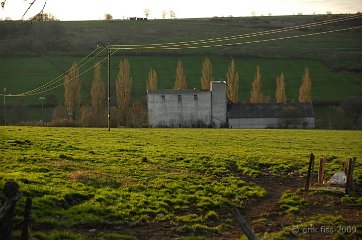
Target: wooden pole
349, 182
310, 173
244, 226
7, 211
27, 220
109, 90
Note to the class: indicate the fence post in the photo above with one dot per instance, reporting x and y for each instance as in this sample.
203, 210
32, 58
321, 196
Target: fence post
310, 173
349, 174
243, 225
322, 165
10, 195
27, 219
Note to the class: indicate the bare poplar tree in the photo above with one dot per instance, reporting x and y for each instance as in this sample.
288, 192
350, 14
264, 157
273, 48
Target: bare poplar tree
147, 12
180, 78
138, 116
98, 96
280, 96
151, 83
72, 87
124, 90
206, 74
108, 17
256, 95
305, 89
232, 78
87, 118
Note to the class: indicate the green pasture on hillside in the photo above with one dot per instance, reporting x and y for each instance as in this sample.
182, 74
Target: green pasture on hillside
23, 74
82, 179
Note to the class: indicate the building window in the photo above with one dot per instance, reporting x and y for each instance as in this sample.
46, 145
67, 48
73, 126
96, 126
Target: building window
179, 98
163, 97
196, 97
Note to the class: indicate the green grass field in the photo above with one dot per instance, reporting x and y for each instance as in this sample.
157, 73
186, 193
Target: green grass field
24, 74
169, 183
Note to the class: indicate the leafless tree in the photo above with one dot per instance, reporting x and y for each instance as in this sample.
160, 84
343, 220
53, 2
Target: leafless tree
172, 14
256, 95
180, 77
124, 90
164, 13
147, 12
232, 80
280, 90
206, 74
151, 83
98, 96
108, 17
305, 89
72, 87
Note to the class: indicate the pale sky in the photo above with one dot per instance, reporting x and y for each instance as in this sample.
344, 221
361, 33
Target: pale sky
96, 9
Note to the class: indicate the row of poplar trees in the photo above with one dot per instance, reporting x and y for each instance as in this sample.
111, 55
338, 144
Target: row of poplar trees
130, 112
232, 80
127, 112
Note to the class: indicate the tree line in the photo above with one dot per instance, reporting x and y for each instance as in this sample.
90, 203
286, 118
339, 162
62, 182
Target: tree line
131, 112
232, 80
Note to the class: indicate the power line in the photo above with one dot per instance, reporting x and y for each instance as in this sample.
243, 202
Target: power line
245, 35
190, 45
180, 47
39, 91
60, 77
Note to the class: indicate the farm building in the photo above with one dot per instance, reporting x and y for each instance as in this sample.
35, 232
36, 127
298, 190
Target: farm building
188, 107
203, 108
270, 115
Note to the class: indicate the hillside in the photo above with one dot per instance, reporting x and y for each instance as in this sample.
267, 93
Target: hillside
79, 38
33, 54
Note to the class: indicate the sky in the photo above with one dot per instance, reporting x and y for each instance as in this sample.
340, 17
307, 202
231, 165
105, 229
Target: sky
67, 10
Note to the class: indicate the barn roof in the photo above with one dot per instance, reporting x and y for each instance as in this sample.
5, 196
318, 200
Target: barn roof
270, 110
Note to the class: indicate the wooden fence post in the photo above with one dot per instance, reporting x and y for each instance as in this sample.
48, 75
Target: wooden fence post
310, 172
243, 225
27, 219
10, 195
322, 165
349, 174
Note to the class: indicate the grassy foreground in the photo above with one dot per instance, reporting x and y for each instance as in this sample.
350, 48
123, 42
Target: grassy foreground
127, 183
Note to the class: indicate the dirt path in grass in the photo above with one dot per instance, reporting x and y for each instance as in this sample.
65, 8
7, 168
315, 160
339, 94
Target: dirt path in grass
265, 216
267, 209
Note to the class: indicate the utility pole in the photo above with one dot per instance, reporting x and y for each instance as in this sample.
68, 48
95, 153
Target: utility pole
4, 107
109, 85
42, 109
109, 89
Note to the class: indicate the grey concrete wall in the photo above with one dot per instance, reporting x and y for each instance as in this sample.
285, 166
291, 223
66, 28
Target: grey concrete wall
307, 122
218, 103
179, 110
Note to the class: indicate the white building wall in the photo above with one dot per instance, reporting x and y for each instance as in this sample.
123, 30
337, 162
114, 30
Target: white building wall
179, 109
218, 103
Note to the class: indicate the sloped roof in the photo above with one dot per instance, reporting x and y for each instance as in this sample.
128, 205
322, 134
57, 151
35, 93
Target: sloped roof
270, 110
